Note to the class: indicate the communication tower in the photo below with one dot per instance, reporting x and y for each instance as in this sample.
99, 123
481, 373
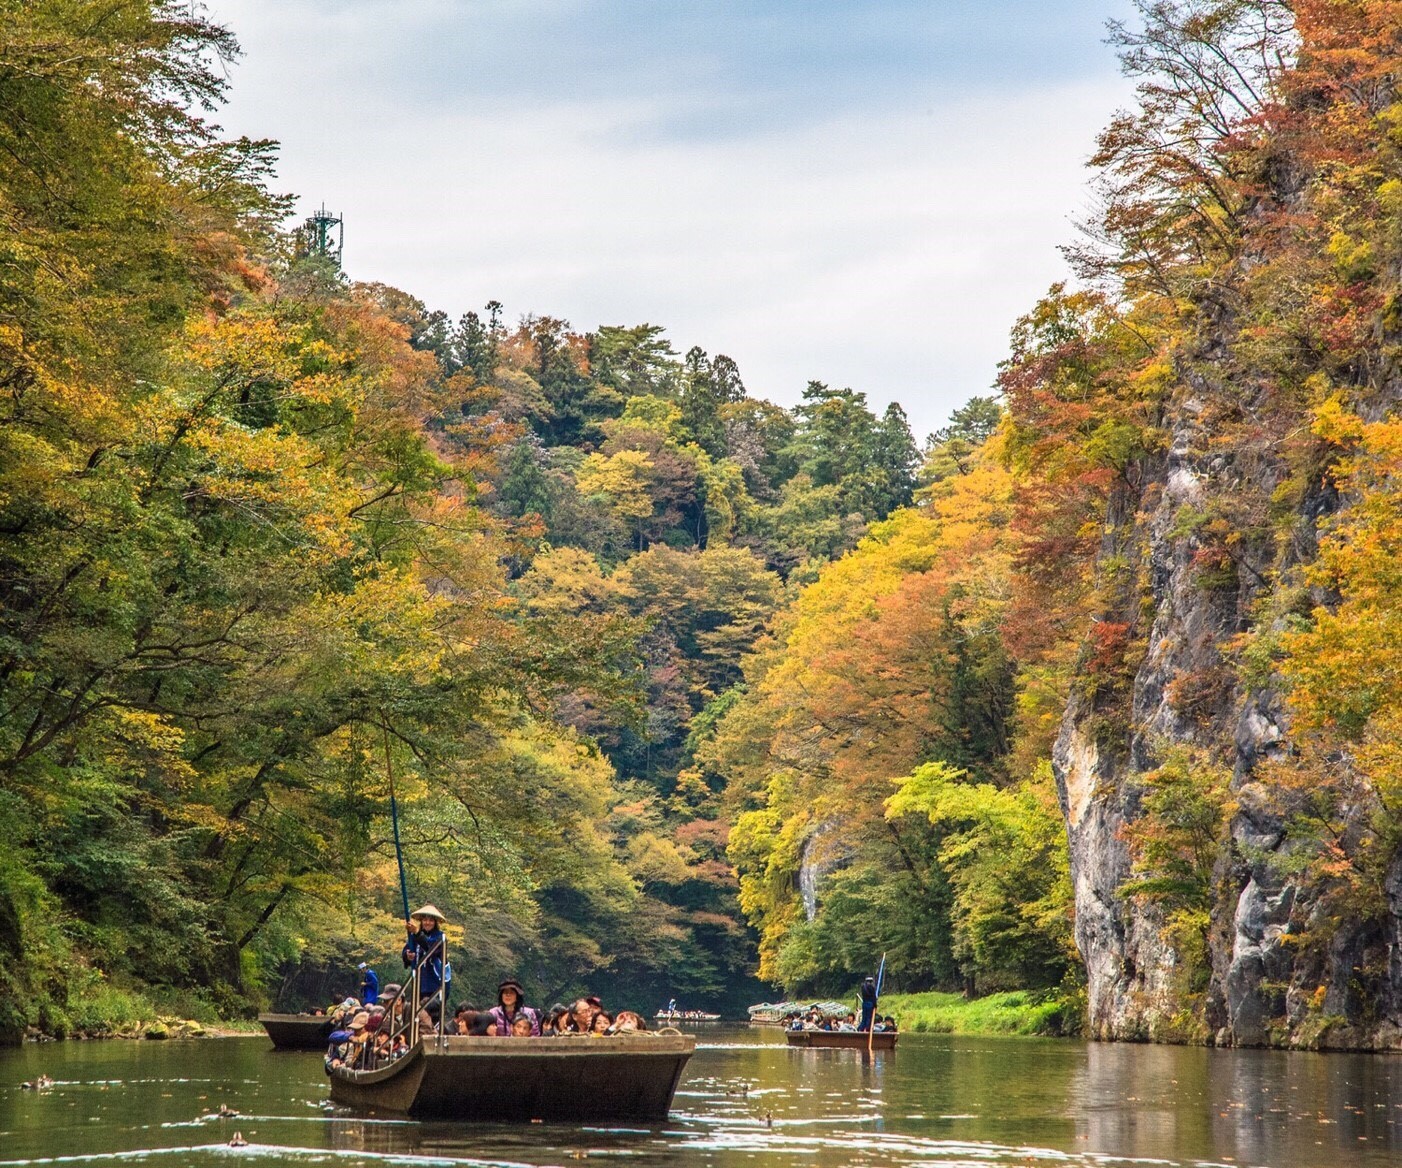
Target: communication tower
317, 235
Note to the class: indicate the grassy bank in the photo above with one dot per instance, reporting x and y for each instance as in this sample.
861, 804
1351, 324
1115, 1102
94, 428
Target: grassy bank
1027, 1012
94, 1008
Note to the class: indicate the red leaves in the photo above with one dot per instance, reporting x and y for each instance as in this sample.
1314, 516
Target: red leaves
1108, 642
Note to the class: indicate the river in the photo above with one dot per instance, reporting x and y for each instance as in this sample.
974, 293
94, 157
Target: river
746, 1099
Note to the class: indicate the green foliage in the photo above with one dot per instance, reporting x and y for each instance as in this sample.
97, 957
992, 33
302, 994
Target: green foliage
1004, 854
1053, 1012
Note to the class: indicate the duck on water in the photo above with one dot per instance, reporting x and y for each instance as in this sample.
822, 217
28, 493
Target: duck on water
409, 1058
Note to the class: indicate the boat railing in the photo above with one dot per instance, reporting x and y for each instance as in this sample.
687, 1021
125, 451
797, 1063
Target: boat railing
409, 1027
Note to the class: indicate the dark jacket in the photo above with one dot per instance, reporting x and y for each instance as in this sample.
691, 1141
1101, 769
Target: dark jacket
427, 950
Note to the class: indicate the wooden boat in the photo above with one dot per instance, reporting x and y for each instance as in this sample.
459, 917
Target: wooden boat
583, 1079
842, 1039
297, 1031
774, 1013
676, 1016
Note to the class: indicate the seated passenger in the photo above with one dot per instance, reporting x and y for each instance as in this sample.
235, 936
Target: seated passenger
557, 1020
338, 1049
356, 1058
478, 1025
581, 1017
523, 1027
627, 1021
599, 1024
511, 1002
460, 1020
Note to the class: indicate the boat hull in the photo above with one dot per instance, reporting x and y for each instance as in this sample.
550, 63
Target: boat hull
842, 1039
297, 1031
517, 1080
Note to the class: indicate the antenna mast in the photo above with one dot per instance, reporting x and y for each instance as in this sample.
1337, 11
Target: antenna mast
317, 235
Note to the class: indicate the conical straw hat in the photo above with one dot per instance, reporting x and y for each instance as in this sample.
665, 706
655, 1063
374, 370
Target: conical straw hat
428, 911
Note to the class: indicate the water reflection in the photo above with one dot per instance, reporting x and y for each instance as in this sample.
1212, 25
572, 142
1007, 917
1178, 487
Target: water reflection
747, 1099
1247, 1106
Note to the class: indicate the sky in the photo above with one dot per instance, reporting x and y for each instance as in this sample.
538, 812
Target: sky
866, 193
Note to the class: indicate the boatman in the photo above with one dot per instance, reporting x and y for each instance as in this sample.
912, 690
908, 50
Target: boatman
369, 985
868, 1003
426, 949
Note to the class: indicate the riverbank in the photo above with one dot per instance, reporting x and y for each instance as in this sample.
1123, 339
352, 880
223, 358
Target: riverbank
1046, 1013
100, 1010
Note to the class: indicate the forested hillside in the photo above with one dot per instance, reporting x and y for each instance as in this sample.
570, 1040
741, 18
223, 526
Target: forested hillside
683, 692
1158, 607
269, 535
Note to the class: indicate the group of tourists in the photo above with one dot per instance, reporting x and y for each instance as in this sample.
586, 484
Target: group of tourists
815, 1019
371, 1030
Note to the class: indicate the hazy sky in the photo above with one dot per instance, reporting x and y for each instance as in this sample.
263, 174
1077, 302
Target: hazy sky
865, 192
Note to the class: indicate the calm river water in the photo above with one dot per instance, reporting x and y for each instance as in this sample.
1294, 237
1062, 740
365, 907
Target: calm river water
747, 1099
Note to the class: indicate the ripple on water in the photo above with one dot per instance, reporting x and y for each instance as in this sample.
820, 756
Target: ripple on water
938, 1102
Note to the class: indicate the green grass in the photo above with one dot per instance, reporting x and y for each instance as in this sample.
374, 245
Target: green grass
1027, 1012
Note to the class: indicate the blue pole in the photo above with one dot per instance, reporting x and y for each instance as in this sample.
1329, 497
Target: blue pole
394, 819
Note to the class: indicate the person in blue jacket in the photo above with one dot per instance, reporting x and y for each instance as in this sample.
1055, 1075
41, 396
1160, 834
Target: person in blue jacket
369, 985
426, 949
868, 996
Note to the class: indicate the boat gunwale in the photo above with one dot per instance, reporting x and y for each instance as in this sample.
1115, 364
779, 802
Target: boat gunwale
272, 1016
555, 1047
842, 1039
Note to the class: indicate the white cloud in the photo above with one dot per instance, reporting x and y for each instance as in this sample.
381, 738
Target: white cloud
889, 250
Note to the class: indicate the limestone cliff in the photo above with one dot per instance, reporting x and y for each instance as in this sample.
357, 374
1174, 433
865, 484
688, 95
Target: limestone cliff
1264, 986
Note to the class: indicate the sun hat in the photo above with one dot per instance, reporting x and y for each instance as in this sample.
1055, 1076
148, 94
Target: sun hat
359, 1021
428, 911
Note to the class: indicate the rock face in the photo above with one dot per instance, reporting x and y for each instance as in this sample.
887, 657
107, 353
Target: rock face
823, 852
1264, 988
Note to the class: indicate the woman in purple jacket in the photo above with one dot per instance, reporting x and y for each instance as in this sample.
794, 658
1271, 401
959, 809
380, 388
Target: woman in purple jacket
511, 1002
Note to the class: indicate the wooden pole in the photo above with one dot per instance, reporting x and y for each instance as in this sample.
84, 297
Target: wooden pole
871, 1030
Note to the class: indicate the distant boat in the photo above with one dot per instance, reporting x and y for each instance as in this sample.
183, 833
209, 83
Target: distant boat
665, 1015
568, 1079
843, 1039
774, 1013
297, 1031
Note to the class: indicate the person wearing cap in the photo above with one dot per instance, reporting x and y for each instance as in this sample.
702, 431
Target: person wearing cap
511, 1003
338, 1049
426, 950
369, 985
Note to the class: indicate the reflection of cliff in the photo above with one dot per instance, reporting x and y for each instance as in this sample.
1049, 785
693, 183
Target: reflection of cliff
1243, 1106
